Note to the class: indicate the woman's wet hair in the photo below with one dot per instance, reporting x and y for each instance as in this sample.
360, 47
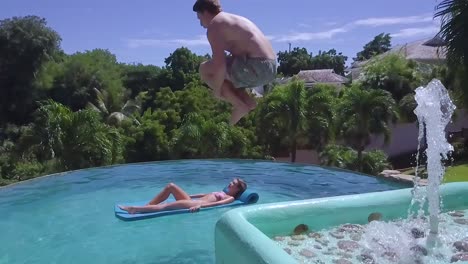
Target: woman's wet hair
242, 187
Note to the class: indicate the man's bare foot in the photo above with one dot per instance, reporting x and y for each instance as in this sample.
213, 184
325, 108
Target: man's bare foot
129, 209
237, 114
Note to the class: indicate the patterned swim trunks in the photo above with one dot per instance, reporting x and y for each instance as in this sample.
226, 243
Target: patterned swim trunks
247, 72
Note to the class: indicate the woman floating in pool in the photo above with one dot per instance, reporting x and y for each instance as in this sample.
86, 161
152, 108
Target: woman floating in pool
184, 201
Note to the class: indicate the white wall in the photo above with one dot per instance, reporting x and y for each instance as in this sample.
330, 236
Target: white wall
403, 139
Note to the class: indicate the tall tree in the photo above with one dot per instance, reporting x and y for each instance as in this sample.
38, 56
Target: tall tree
26, 43
291, 62
321, 102
82, 74
287, 104
380, 44
139, 78
392, 73
363, 112
181, 68
329, 60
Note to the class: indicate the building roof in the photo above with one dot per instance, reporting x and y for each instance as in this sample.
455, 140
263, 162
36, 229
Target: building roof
436, 41
321, 76
420, 51
427, 51
312, 77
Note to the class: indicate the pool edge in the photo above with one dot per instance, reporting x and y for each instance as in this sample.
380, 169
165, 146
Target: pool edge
238, 240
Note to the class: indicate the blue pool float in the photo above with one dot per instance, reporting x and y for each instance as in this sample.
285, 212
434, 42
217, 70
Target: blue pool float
247, 197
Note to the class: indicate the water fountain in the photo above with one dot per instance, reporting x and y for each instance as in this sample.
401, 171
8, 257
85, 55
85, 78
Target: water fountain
434, 112
261, 232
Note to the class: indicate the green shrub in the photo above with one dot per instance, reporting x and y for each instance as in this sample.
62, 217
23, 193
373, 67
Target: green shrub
27, 169
374, 162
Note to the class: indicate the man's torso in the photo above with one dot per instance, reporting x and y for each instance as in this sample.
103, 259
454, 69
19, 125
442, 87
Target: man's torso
241, 36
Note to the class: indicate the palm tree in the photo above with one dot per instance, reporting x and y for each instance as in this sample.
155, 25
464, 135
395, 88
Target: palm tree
320, 115
103, 104
287, 107
77, 139
454, 29
365, 112
201, 138
338, 156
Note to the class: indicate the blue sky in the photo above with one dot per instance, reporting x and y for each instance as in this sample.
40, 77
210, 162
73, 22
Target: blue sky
147, 31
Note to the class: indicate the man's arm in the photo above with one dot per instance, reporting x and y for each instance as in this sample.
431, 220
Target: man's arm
217, 64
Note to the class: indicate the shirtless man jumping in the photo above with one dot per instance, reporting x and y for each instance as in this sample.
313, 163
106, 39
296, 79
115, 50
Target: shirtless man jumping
251, 63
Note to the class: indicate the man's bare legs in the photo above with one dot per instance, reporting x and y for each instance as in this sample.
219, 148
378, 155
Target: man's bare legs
244, 96
231, 94
173, 189
241, 102
241, 93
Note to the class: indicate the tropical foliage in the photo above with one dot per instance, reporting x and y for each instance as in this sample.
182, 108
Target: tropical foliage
394, 74
63, 111
380, 44
362, 113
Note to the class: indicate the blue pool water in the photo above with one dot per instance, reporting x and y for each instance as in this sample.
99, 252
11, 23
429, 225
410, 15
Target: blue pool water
70, 218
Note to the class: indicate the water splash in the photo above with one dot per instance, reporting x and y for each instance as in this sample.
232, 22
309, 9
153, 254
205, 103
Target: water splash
434, 112
419, 192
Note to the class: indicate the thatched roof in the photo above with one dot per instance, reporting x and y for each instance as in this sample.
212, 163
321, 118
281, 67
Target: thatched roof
424, 51
420, 52
321, 76
436, 41
312, 77
354, 73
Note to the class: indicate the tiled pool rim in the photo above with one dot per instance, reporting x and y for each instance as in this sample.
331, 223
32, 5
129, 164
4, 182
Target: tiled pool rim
242, 235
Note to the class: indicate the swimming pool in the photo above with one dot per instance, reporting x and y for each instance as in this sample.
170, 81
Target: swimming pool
70, 219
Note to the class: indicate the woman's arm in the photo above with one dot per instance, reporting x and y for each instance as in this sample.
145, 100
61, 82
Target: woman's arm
200, 195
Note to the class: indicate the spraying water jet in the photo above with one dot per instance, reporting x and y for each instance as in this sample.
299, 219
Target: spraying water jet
434, 112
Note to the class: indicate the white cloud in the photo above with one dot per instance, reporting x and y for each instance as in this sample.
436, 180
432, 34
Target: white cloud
386, 21
412, 32
138, 43
303, 25
331, 24
271, 37
307, 36
367, 22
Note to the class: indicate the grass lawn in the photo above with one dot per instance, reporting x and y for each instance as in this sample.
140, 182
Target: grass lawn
456, 173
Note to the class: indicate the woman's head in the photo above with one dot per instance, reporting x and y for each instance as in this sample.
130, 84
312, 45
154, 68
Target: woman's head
236, 187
